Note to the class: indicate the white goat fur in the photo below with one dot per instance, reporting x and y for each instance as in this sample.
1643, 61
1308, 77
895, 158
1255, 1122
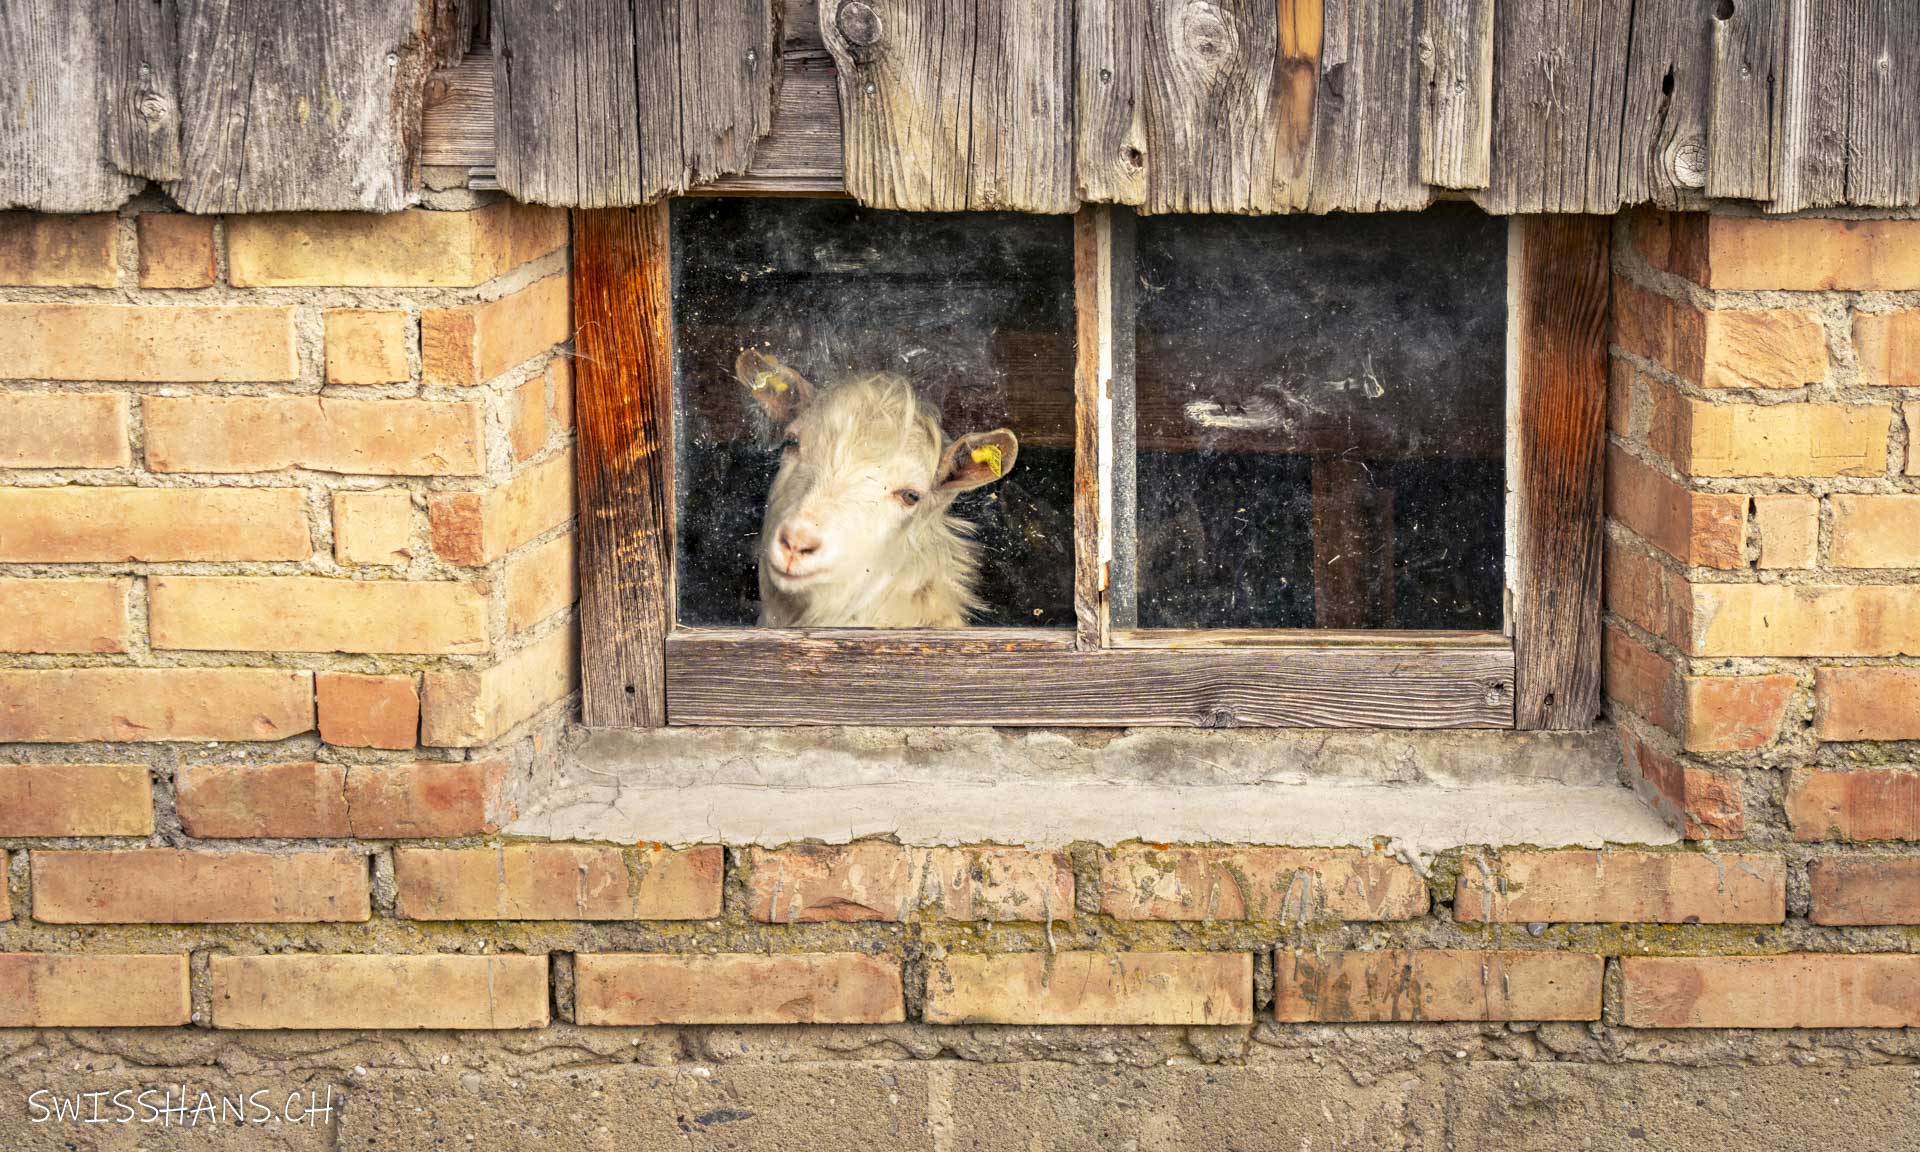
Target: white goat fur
855, 446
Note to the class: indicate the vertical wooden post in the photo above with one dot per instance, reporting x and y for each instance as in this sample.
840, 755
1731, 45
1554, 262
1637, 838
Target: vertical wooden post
623, 397
1092, 423
1562, 349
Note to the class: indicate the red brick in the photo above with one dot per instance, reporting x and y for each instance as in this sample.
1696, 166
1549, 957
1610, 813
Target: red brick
1622, 886
315, 614
1734, 713
176, 250
473, 528
1866, 804
41, 990
427, 798
1708, 529
72, 705
793, 988
1649, 594
324, 433
75, 615
49, 250
368, 711
168, 886
75, 800
384, 992
246, 801
1434, 984
1639, 679
808, 882
1091, 988
139, 342
1288, 884
558, 882
1702, 803
1865, 889
64, 430
1866, 703
78, 524
1794, 991
472, 343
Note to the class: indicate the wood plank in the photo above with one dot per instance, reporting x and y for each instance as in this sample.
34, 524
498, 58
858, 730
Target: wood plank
1562, 352
53, 156
1295, 84
1560, 70
773, 678
1365, 132
1092, 422
1883, 118
623, 396
140, 113
1748, 37
1815, 78
619, 103
1217, 126
456, 127
1663, 135
1208, 638
1110, 127
1123, 518
955, 108
1456, 93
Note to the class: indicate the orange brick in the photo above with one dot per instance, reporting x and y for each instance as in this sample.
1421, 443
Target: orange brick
473, 528
1913, 438
1639, 679
1876, 531
45, 250
368, 346
1291, 884
308, 991
795, 988
527, 419
1888, 344
315, 614
1669, 424
875, 881
1794, 991
146, 343
1701, 528
1091, 988
301, 801
75, 800
1811, 255
540, 583
1702, 803
1643, 321
411, 249
1866, 703
373, 527
367, 711
81, 524
1649, 594
84, 615
1867, 804
426, 799
1734, 713
356, 437
38, 990
1783, 348
560, 384
1788, 528
176, 250
1624, 887
1434, 984
64, 430
476, 342
1865, 889
996, 884
558, 882
170, 886
1805, 620
69, 705
1622, 383
1783, 439
468, 708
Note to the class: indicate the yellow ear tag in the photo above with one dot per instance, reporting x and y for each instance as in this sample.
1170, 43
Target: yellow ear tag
761, 380
991, 456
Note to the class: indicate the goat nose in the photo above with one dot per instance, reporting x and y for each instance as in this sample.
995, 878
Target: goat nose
799, 540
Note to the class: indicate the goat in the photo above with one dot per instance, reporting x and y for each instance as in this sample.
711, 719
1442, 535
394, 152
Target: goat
859, 530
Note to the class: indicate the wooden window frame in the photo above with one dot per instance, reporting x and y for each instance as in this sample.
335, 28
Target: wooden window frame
638, 669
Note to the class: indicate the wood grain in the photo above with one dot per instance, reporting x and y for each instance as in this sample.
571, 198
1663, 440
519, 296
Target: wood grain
1456, 92
1213, 122
1562, 348
140, 113
1741, 108
623, 394
1883, 115
53, 156
1811, 137
1364, 126
955, 108
1110, 127
1663, 126
456, 127
762, 677
1560, 70
1093, 420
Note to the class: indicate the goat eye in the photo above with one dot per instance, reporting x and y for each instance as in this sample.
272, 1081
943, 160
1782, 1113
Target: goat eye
908, 497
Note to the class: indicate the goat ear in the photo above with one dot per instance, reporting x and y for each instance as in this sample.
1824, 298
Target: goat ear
779, 389
976, 459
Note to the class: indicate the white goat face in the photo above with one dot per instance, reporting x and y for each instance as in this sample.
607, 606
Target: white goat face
865, 473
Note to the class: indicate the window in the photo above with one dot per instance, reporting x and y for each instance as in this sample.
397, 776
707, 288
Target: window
1320, 471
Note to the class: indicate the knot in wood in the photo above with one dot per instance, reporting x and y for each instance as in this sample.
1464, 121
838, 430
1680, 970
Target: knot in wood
1204, 38
858, 23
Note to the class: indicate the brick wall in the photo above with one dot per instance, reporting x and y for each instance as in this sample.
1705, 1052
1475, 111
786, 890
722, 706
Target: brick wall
285, 607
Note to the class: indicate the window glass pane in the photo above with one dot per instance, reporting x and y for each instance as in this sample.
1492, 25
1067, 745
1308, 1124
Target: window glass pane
837, 305
1320, 406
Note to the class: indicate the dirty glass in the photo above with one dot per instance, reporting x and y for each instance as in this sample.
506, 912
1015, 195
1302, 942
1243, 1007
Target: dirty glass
974, 310
1320, 422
